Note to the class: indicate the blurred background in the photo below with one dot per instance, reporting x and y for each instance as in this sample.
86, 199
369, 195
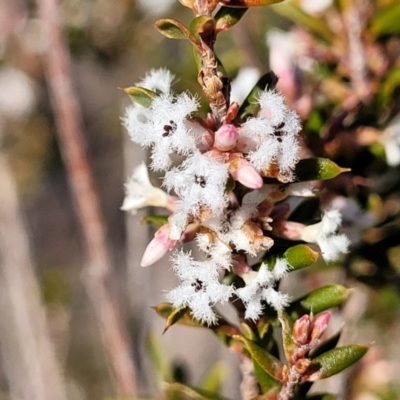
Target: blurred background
339, 67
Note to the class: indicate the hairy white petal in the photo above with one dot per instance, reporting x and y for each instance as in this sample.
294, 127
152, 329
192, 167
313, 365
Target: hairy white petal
261, 288
141, 193
333, 246
200, 288
275, 299
199, 182
158, 80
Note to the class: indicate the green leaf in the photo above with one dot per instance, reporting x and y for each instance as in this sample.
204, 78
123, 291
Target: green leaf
287, 335
387, 20
202, 25
214, 379
227, 17
250, 106
174, 316
224, 330
166, 311
390, 84
268, 384
248, 332
155, 220
249, 3
334, 361
298, 16
265, 331
266, 361
191, 392
313, 169
300, 256
140, 95
157, 355
328, 344
172, 29
319, 300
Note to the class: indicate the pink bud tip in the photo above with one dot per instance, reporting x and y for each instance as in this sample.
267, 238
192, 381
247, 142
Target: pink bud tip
240, 266
320, 324
226, 137
247, 175
301, 330
158, 247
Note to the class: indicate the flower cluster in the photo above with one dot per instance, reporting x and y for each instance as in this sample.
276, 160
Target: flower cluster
224, 200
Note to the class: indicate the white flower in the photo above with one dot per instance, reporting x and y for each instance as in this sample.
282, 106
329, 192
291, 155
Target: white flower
272, 135
159, 80
259, 288
355, 220
324, 234
141, 193
217, 250
199, 182
163, 127
236, 229
200, 288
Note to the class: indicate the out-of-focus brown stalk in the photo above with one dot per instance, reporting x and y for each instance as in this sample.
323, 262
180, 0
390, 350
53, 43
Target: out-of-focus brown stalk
355, 24
28, 356
98, 277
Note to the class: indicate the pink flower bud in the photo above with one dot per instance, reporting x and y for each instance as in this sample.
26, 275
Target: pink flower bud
301, 330
320, 324
241, 170
226, 137
288, 229
158, 247
240, 266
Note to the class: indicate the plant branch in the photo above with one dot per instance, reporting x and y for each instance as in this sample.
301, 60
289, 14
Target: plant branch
28, 356
99, 280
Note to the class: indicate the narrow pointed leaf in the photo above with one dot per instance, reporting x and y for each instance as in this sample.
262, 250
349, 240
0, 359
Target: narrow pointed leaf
214, 379
319, 300
267, 383
334, 361
249, 3
265, 332
250, 106
191, 392
140, 95
155, 220
248, 332
300, 256
287, 337
325, 346
224, 330
159, 362
172, 29
227, 17
386, 21
312, 169
271, 365
173, 316
202, 26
